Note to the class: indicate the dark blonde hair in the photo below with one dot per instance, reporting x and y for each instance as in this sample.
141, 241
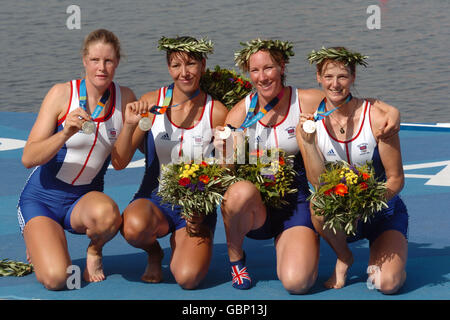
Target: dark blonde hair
104, 36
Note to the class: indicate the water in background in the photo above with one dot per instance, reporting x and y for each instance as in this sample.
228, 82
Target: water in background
408, 64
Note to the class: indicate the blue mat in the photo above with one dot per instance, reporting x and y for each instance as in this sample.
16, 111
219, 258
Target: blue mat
426, 158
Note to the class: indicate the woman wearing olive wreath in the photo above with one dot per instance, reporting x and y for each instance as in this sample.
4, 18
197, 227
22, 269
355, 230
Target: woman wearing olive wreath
274, 119
349, 133
182, 118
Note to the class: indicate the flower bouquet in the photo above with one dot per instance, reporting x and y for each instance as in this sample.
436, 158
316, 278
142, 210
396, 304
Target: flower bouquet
272, 172
225, 85
196, 187
14, 268
347, 194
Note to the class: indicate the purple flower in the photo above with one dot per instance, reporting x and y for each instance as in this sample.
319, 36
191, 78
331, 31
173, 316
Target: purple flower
270, 176
354, 169
200, 186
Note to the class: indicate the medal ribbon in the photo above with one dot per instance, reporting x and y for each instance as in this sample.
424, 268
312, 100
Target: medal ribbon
321, 113
83, 100
251, 118
168, 98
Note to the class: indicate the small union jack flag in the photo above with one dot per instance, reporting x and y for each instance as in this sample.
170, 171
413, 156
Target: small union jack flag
239, 275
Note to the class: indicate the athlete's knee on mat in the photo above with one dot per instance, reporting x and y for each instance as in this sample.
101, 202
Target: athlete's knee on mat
53, 279
187, 278
297, 283
390, 283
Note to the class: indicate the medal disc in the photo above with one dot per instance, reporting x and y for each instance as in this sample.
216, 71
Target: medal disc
88, 127
145, 124
225, 133
309, 126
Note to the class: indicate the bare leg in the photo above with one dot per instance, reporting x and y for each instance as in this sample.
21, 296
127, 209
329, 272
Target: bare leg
153, 270
297, 259
97, 215
47, 248
389, 253
242, 211
143, 223
191, 258
338, 243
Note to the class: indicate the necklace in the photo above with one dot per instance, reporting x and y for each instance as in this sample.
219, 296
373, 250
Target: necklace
341, 129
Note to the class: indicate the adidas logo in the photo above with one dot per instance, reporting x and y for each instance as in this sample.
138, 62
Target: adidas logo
165, 136
331, 153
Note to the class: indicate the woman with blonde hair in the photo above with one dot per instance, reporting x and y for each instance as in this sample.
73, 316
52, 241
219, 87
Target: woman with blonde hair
349, 133
70, 145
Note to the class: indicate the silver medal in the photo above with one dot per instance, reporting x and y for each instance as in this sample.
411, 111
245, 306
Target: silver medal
145, 124
88, 127
309, 126
225, 133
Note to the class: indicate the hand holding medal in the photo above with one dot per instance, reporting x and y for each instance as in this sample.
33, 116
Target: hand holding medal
144, 123
225, 133
89, 126
309, 126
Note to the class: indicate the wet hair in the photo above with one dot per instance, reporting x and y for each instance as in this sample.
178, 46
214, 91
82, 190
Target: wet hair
104, 36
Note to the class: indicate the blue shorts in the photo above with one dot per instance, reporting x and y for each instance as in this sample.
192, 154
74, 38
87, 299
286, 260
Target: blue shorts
45, 195
173, 215
296, 213
48, 205
395, 217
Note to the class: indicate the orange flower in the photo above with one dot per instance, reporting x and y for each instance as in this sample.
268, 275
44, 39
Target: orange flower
328, 192
282, 161
341, 189
203, 164
204, 178
365, 176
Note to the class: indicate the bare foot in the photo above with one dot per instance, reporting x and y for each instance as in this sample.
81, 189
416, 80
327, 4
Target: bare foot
153, 271
339, 276
94, 266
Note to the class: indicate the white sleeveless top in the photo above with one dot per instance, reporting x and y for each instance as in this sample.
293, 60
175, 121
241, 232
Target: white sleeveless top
84, 155
281, 135
360, 148
173, 143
